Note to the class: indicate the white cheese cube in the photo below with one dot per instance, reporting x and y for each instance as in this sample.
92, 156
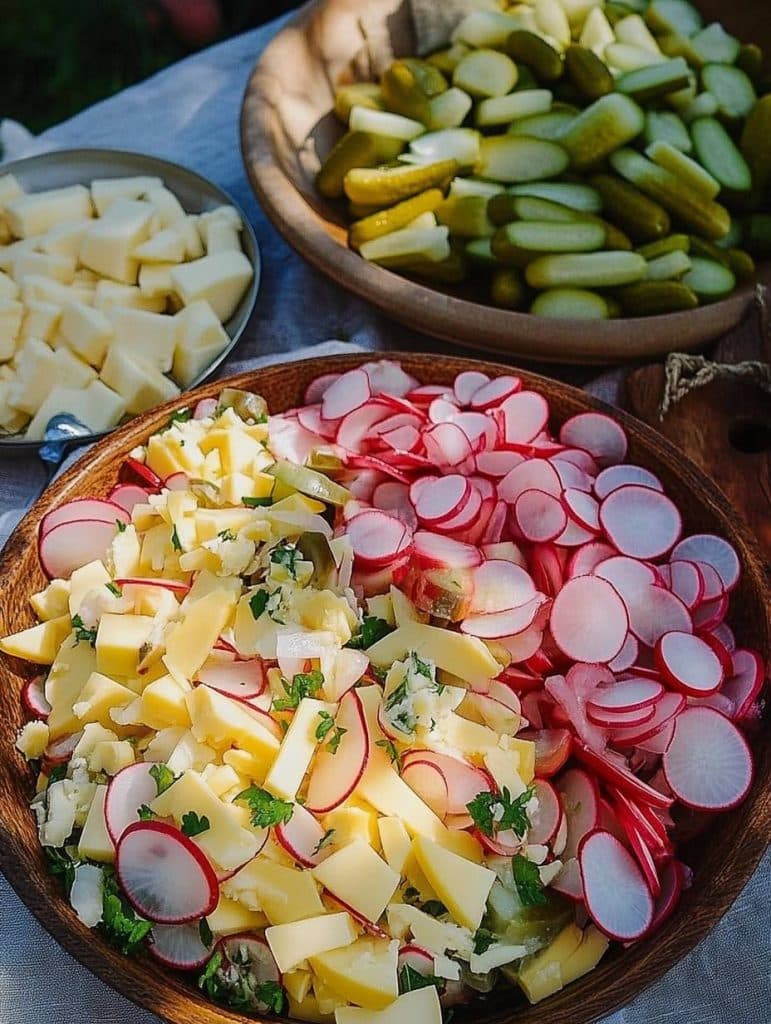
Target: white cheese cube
11, 420
221, 236
292, 943
155, 280
11, 313
229, 214
41, 320
168, 207
71, 372
188, 228
221, 280
109, 243
149, 335
136, 380
97, 406
45, 289
297, 749
104, 191
167, 246
8, 287
360, 878
200, 339
37, 213
58, 268
86, 331
65, 239
35, 376
8, 253
111, 295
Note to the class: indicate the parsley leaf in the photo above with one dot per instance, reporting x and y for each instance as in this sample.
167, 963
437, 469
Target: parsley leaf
483, 939
258, 602
371, 630
390, 748
121, 525
192, 825
205, 932
122, 926
61, 866
410, 980
325, 839
82, 633
421, 667
514, 812
176, 543
207, 980
267, 810
180, 416
271, 995
257, 502
57, 773
286, 556
145, 814
304, 684
396, 696
327, 726
163, 775
527, 879
226, 535
493, 813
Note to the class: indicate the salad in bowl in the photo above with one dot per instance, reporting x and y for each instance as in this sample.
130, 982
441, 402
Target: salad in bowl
360, 711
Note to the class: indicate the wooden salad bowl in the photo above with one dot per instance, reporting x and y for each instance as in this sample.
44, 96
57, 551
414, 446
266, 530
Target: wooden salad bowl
729, 845
287, 129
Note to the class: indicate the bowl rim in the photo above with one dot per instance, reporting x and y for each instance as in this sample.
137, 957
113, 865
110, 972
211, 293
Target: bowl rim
143, 163
53, 911
434, 311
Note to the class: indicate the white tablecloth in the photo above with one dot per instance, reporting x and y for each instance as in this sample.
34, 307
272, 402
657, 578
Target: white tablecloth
189, 113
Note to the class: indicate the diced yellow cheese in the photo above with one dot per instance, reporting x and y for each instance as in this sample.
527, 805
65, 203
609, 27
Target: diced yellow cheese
186, 751
462, 886
119, 641
353, 823
37, 213
364, 973
11, 313
69, 673
436, 936
360, 878
223, 722
140, 384
297, 748
502, 765
416, 877
124, 558
87, 331
98, 406
53, 602
71, 371
189, 643
35, 376
237, 449
168, 208
98, 697
95, 842
155, 280
308, 1009
285, 894
298, 984
221, 236
245, 764
526, 752
462, 843
419, 1007
58, 268
33, 739
395, 842
109, 243
105, 191
211, 521
39, 644
8, 287
41, 320
110, 294
65, 239
163, 703
230, 917
86, 578
221, 280
93, 733
292, 943
464, 656
166, 246
112, 757
541, 975
149, 335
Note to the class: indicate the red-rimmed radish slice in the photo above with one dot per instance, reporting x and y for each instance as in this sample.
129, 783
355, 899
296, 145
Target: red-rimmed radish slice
240, 679
568, 882
470, 514
670, 877
706, 547
447, 445
534, 474
432, 551
652, 610
129, 495
426, 393
561, 837
580, 799
640, 850
128, 791
552, 749
59, 751
301, 837
540, 517
545, 821
627, 695
493, 531
402, 439
589, 620
387, 377
175, 586
712, 584
368, 926
579, 457
480, 430
249, 954
505, 844
417, 958
627, 656
165, 876
205, 409
572, 477
525, 414
464, 781
499, 463
708, 616
495, 392
133, 468
585, 559
613, 477
582, 508
179, 946
393, 497
725, 635
688, 664
443, 410
377, 538
746, 680
620, 777
686, 581
503, 624
617, 896
708, 765
176, 482
524, 645
574, 535
83, 509
71, 545
597, 434
317, 388
426, 779
34, 699
619, 719
335, 776
665, 709
356, 427
467, 384
497, 714
348, 392
658, 742
640, 522
650, 828
722, 652
311, 419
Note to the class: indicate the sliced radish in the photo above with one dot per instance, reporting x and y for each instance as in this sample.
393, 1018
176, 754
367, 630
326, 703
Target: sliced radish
206, 409
497, 464
179, 946
302, 838
133, 468
71, 545
129, 495
469, 514
708, 616
620, 777
617, 896
495, 392
585, 559
613, 477
552, 749
426, 393
34, 699
561, 837
60, 751
712, 584
335, 776
546, 565
589, 620
248, 964
722, 653
580, 799
129, 790
377, 538
725, 635
708, 764
535, 474
539, 516
240, 679
640, 522
746, 680
417, 958
583, 508
164, 875
467, 384
686, 581
464, 781
568, 882
402, 439
665, 709
499, 585
597, 434
447, 445
176, 482
356, 427
387, 377
627, 695
545, 821
525, 645
503, 624
393, 497
640, 850
443, 410
316, 389
706, 547
689, 664
433, 551
627, 656
525, 414
83, 509
175, 586
572, 477
620, 719
348, 392
670, 877
426, 779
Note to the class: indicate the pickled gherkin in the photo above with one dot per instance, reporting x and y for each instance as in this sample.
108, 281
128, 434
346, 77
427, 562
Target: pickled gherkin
586, 270
652, 298
385, 186
408, 86
609, 123
310, 482
571, 304
354, 150
588, 73
533, 51
642, 218
507, 289
395, 218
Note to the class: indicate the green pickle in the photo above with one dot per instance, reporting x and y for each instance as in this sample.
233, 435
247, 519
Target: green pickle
587, 72
357, 94
571, 304
466, 216
609, 123
653, 298
755, 143
394, 218
409, 84
533, 51
672, 243
310, 482
586, 270
507, 289
639, 216
384, 186
354, 150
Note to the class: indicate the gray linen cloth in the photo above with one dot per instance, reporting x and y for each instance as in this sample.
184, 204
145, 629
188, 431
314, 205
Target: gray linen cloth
189, 114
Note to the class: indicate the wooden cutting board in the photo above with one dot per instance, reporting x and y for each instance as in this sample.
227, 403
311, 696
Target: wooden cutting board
725, 426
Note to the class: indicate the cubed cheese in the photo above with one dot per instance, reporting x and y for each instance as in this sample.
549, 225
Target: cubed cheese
35, 376
155, 280
462, 655
119, 640
136, 380
360, 878
86, 578
112, 757
230, 917
87, 331
163, 704
95, 842
104, 191
11, 313
221, 236
41, 320
8, 287
69, 673
395, 842
166, 246
200, 339
58, 268
292, 943
53, 601
297, 749
462, 886
221, 280
285, 894
110, 295
99, 696
419, 1007
65, 239
39, 644
38, 212
349, 823
364, 973
222, 722
109, 243
189, 643
168, 208
71, 371
97, 406
149, 335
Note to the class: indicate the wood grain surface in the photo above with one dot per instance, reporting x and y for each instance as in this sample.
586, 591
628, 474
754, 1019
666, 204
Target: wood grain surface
287, 128
724, 855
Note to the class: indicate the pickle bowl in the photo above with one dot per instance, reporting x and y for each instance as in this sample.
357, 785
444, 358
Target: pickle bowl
288, 128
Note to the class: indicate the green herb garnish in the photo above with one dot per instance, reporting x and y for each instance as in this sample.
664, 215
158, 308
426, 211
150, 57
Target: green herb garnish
434, 908
122, 926
115, 591
205, 932
527, 879
61, 866
258, 602
121, 525
267, 810
286, 556
327, 726
493, 813
410, 980
163, 775
483, 939
257, 502
304, 684
176, 543
145, 814
390, 748
226, 535
324, 841
193, 825
82, 633
371, 630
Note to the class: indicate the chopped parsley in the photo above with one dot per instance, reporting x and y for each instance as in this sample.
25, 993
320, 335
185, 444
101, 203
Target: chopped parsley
82, 633
226, 535
493, 813
57, 773
180, 416
193, 825
163, 775
410, 980
483, 939
271, 995
145, 814
176, 543
120, 525
421, 667
527, 879
371, 630
121, 925
403, 718
326, 727
257, 502
258, 602
411, 894
205, 932
233, 983
304, 684
267, 810
390, 748
115, 591
324, 841
61, 866
286, 556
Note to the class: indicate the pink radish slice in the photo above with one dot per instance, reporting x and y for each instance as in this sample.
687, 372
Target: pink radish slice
356, 427
708, 616
290, 441
725, 635
620, 777
539, 516
650, 828
552, 749
467, 384
706, 547
71, 545
589, 620
627, 656
597, 434
129, 495
546, 819
393, 498
402, 439
686, 582
179, 946
433, 551
546, 567
722, 653
60, 750
628, 695
640, 522
689, 664
613, 477
659, 741
583, 508
480, 430
177, 482
387, 376
175, 586
561, 837
141, 472
745, 682
617, 897
464, 781
311, 419
609, 822
499, 585
447, 445
525, 414
496, 524
568, 882
426, 780
165, 876
580, 458
619, 719
495, 392
377, 538
205, 409
580, 800
443, 410
640, 850
503, 624
498, 463
665, 709
128, 791
464, 519
708, 764
505, 844
535, 474
671, 889
574, 535
34, 699
317, 388
712, 584
335, 776
301, 837
80, 509
240, 679
524, 645
348, 392
426, 393
585, 559
574, 478
417, 958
